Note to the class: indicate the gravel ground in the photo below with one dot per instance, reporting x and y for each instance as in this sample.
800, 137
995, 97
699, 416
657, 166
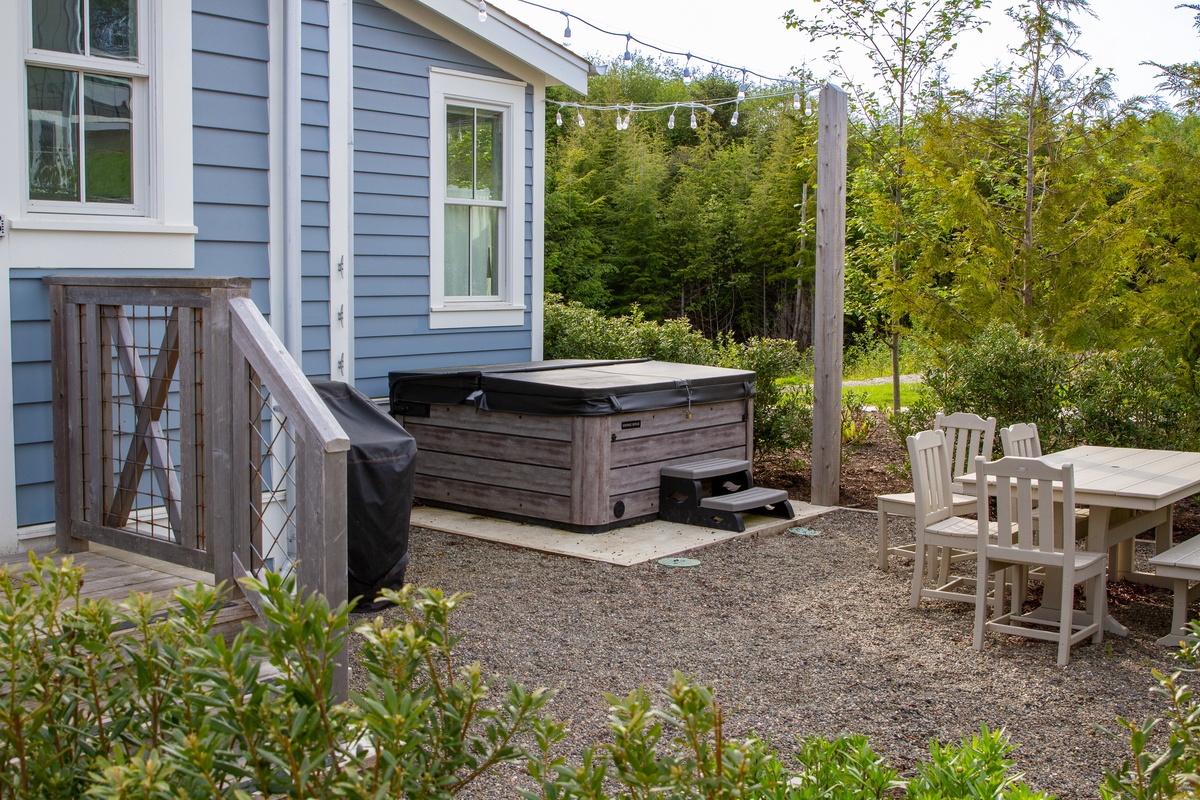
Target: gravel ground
798, 636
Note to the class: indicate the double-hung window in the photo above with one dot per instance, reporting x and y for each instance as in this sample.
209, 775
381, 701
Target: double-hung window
98, 108
87, 90
477, 201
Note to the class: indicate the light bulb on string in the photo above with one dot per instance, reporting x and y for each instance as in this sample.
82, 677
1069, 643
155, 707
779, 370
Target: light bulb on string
742, 87
579, 119
693, 122
671, 119
796, 101
687, 71
628, 55
734, 119
567, 31
558, 118
483, 10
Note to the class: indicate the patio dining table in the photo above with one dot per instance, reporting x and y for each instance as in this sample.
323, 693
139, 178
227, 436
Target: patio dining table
1129, 491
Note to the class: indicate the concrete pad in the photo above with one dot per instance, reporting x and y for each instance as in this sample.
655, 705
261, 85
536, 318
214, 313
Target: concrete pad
623, 547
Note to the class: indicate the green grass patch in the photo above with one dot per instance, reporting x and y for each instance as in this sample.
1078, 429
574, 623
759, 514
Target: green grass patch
880, 395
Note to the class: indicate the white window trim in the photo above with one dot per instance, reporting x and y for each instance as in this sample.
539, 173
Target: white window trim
454, 87
161, 228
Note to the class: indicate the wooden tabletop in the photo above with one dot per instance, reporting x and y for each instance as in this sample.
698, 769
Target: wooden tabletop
1126, 477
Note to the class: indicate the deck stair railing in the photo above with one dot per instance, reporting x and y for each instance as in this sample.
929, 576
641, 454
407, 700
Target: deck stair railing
184, 431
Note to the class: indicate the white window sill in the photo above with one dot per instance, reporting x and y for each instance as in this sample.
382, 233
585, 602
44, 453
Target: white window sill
477, 315
113, 224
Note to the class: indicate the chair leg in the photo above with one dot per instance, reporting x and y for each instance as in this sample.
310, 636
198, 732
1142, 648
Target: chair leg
1065, 619
883, 537
1097, 606
946, 555
1020, 587
980, 599
918, 571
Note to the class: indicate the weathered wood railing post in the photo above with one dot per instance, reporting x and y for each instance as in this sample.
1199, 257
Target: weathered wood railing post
827, 336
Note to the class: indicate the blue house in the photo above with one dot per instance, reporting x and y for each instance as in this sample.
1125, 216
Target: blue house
375, 167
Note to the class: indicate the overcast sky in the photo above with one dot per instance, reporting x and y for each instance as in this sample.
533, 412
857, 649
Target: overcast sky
751, 34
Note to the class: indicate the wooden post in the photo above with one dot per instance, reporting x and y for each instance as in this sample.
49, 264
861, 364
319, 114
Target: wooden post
827, 335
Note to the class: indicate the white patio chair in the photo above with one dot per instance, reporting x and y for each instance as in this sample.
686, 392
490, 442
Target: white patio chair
937, 526
1021, 440
967, 435
1016, 481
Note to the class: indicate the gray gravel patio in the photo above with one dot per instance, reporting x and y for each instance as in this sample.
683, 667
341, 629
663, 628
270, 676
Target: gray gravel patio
798, 636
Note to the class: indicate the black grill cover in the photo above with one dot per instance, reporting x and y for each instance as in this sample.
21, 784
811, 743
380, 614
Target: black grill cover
380, 470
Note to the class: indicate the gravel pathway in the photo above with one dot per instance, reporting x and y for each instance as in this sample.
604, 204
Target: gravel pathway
798, 636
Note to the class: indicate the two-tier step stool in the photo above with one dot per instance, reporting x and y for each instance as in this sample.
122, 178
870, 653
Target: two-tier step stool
714, 492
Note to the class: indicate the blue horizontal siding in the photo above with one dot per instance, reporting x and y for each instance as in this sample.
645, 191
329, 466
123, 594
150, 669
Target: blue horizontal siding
392, 58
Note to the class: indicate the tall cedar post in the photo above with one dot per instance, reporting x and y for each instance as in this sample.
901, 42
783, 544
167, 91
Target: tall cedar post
827, 335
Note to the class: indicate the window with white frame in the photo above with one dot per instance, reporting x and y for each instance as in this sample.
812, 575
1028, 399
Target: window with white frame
87, 99
477, 200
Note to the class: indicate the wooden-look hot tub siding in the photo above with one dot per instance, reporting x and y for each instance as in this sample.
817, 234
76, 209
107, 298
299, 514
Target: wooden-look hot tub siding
568, 471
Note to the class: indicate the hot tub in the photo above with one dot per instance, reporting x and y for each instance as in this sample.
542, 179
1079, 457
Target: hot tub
573, 444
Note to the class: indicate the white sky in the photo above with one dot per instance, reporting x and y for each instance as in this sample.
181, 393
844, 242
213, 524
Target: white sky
751, 34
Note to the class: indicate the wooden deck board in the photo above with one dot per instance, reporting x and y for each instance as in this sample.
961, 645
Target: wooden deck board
112, 574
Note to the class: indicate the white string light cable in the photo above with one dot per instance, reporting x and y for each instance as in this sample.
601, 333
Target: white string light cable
687, 75
630, 109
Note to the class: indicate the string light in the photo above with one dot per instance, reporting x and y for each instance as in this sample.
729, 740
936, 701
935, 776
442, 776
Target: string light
734, 119
628, 55
483, 10
671, 119
579, 119
567, 31
687, 72
742, 87
693, 122
796, 101
558, 118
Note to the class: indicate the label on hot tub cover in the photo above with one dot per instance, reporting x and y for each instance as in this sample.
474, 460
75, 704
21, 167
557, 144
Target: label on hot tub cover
631, 424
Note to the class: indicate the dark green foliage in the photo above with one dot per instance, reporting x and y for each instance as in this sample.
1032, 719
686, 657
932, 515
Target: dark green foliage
1135, 398
173, 711
782, 422
1000, 373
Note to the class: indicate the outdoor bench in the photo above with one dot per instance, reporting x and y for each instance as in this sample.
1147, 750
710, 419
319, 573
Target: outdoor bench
1181, 564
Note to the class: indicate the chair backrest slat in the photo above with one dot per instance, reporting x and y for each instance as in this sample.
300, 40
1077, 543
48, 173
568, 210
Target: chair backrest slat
967, 436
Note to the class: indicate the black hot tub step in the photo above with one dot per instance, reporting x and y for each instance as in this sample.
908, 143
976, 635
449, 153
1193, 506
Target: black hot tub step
755, 498
708, 468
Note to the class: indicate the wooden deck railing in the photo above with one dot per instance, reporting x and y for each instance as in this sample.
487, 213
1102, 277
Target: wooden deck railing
184, 431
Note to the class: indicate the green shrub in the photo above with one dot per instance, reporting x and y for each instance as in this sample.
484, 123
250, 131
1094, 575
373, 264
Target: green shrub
1002, 374
980, 767
1133, 399
174, 712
